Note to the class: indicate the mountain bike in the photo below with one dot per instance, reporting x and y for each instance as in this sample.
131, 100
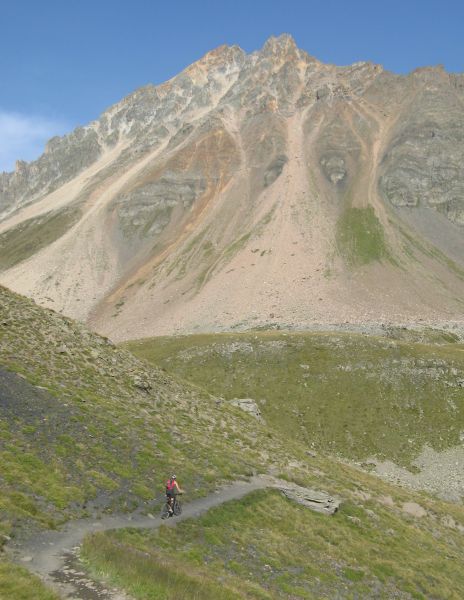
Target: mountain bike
176, 507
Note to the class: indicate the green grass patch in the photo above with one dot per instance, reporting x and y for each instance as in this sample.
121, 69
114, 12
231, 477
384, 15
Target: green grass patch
345, 394
147, 575
16, 583
29, 237
285, 550
360, 237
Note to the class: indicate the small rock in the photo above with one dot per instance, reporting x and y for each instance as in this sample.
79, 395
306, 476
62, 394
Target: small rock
387, 501
142, 384
416, 510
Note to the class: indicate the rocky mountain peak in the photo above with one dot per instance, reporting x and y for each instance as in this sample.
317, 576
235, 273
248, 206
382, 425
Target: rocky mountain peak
198, 203
282, 50
222, 56
280, 45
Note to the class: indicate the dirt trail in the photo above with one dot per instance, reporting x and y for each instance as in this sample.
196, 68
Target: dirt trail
53, 554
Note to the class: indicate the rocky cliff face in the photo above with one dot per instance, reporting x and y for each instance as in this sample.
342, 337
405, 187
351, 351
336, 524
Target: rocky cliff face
422, 164
266, 189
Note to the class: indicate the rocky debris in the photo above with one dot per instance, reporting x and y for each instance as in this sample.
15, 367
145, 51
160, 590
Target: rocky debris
73, 580
448, 521
439, 473
249, 406
321, 502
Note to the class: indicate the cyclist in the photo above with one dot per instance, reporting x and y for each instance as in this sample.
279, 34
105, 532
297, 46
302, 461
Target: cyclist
172, 489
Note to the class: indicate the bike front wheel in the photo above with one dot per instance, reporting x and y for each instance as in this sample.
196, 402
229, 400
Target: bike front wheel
165, 511
177, 508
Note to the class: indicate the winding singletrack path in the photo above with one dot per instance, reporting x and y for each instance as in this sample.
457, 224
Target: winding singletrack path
53, 554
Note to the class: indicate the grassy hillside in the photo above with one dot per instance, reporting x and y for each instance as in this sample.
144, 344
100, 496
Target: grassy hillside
86, 427
110, 426
385, 542
265, 547
345, 394
29, 237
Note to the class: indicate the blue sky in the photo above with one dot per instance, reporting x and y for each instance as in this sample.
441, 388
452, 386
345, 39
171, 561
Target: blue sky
63, 62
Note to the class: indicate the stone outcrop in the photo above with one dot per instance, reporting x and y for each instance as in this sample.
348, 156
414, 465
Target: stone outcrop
422, 165
249, 406
313, 499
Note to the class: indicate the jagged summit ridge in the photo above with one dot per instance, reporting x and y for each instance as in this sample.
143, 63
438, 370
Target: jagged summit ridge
71, 153
345, 183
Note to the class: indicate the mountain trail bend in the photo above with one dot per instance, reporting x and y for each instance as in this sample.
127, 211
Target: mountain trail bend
53, 555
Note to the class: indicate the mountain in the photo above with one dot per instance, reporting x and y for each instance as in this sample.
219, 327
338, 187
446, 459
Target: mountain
261, 190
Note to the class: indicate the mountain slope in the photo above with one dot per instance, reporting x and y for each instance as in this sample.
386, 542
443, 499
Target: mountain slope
250, 190
85, 426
